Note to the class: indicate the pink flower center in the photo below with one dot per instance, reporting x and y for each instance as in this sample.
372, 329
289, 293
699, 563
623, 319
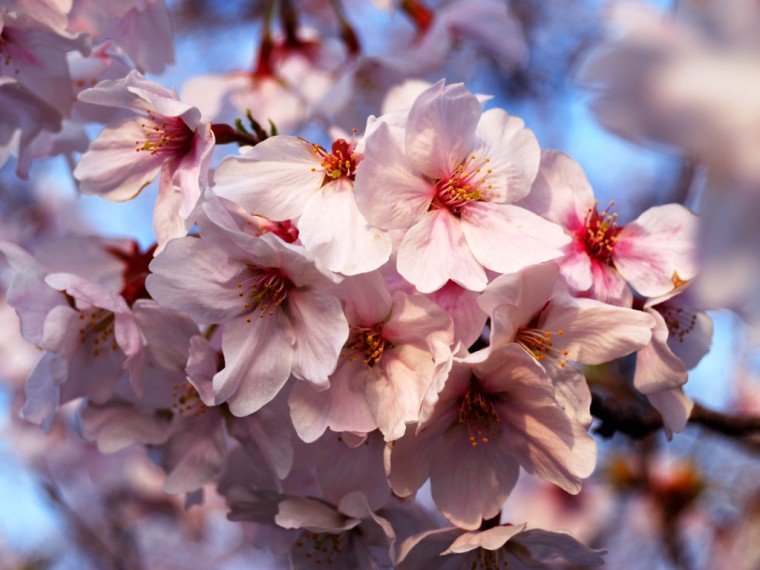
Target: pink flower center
165, 136
477, 411
186, 400
342, 161
539, 344
466, 184
680, 321
97, 330
599, 233
320, 547
366, 343
264, 290
484, 559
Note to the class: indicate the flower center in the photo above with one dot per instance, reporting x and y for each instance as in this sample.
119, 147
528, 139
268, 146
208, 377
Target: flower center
6, 42
464, 185
366, 343
285, 230
320, 547
342, 161
165, 135
97, 330
484, 559
477, 411
599, 233
187, 402
680, 321
539, 344
264, 290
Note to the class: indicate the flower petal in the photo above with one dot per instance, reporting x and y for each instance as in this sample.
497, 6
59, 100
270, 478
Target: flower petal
507, 238
434, 251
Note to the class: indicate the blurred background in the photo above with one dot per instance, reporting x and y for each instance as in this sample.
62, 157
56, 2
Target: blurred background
693, 502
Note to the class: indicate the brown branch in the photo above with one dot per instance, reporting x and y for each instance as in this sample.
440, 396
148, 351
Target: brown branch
638, 420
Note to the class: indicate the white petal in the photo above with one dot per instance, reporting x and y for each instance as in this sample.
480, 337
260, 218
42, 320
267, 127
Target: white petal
274, 179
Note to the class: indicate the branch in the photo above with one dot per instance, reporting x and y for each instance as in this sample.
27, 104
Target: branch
638, 421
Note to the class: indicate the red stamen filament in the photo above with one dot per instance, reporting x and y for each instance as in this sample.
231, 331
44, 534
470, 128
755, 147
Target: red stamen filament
165, 135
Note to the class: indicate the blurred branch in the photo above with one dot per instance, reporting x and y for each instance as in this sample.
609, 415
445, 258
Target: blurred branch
91, 543
638, 421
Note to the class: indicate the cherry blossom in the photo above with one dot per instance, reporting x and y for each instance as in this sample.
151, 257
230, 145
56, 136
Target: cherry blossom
534, 310
503, 546
603, 256
449, 179
397, 353
272, 300
496, 413
680, 338
285, 178
168, 138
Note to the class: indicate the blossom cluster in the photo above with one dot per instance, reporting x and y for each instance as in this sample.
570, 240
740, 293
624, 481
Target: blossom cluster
322, 328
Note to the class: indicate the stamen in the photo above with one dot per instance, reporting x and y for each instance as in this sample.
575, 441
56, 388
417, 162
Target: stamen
599, 232
187, 402
165, 135
342, 161
478, 412
539, 344
264, 290
681, 321
98, 330
366, 343
467, 183
320, 548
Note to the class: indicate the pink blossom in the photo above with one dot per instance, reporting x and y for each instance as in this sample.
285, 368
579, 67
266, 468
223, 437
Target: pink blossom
285, 178
168, 138
277, 316
141, 28
396, 355
487, 26
681, 337
502, 546
448, 179
603, 256
496, 413
534, 310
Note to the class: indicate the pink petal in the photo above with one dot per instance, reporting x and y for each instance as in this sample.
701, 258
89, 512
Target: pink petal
320, 330
594, 332
440, 132
608, 286
389, 192
112, 169
506, 238
561, 192
334, 231
342, 407
470, 484
274, 179
657, 368
674, 407
258, 357
513, 154
434, 251
660, 243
